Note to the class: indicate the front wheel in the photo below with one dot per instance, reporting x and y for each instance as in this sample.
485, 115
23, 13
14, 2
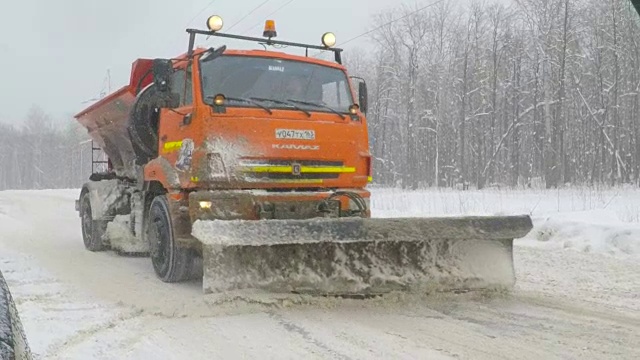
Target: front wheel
170, 262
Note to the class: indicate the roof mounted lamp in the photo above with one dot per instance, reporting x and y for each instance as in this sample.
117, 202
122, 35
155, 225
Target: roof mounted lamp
270, 29
328, 39
215, 23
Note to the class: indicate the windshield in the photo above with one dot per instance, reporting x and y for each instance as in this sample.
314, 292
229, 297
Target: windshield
276, 83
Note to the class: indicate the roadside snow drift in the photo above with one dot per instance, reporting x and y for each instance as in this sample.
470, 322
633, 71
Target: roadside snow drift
596, 231
605, 221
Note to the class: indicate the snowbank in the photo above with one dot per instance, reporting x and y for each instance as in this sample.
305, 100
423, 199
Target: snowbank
388, 202
594, 231
605, 221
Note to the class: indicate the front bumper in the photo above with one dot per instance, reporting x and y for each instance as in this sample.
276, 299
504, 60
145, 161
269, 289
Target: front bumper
259, 205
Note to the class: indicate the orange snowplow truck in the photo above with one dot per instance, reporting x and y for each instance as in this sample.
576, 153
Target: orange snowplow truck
249, 168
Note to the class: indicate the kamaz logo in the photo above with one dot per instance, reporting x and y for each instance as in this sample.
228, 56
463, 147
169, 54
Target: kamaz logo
276, 68
296, 169
295, 147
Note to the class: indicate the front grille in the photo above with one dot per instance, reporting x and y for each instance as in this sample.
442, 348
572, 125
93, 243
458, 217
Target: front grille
276, 162
294, 171
281, 176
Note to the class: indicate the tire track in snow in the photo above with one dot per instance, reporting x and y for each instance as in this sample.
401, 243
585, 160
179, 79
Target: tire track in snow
306, 335
582, 308
532, 328
56, 349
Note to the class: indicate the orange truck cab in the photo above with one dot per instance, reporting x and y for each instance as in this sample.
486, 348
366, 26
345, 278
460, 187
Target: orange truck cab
218, 134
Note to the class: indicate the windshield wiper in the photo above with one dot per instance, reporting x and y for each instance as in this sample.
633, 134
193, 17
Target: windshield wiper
320, 105
283, 103
250, 101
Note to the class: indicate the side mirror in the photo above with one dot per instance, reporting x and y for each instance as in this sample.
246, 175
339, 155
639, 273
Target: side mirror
362, 96
162, 71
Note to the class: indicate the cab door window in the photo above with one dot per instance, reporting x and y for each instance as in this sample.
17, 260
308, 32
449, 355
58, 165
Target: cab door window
181, 86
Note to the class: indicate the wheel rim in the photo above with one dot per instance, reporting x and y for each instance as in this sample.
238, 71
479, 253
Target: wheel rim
160, 236
87, 222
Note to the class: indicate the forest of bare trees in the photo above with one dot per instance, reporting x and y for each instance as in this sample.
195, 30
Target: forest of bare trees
41, 155
539, 93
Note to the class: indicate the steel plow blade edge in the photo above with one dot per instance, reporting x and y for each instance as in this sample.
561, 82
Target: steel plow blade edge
353, 256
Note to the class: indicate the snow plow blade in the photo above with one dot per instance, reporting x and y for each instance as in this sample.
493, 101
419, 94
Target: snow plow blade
359, 256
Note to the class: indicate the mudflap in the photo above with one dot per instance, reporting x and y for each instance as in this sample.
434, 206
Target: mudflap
359, 256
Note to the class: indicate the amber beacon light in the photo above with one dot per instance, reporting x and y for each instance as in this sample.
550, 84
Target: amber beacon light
270, 29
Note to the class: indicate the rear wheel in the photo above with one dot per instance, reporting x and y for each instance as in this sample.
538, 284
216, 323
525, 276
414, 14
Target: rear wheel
92, 230
170, 262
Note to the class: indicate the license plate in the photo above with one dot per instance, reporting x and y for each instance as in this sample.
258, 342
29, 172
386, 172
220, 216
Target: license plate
295, 134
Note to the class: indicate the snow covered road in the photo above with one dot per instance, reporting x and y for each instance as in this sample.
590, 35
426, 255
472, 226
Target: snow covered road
80, 305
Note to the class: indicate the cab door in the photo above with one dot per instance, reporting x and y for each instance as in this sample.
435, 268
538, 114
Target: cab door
175, 130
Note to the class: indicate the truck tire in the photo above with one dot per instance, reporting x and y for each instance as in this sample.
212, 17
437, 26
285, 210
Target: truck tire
92, 230
170, 262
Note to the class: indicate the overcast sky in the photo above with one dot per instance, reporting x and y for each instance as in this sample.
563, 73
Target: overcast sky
56, 53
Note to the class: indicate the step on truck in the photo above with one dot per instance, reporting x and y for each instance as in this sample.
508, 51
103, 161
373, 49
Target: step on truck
249, 169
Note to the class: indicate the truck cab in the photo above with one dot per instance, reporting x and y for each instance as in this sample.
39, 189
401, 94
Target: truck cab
261, 120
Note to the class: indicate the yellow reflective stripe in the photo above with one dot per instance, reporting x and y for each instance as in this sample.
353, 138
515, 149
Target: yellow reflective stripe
370, 179
268, 169
172, 145
303, 169
327, 169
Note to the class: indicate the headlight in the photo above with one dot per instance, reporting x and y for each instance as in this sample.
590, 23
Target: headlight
205, 205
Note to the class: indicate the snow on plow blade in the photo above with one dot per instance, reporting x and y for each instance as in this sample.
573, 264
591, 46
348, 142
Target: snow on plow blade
355, 256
